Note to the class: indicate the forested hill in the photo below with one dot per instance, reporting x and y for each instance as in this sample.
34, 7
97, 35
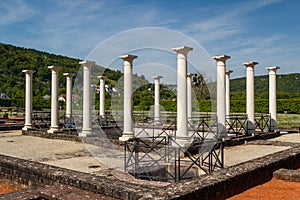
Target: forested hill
288, 83
15, 59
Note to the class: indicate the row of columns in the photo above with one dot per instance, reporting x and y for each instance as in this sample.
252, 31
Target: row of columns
184, 95
54, 98
223, 94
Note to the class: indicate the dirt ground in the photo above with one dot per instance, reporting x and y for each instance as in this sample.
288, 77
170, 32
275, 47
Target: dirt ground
274, 189
7, 187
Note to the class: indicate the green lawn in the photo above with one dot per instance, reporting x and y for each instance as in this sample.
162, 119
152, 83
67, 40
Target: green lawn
288, 120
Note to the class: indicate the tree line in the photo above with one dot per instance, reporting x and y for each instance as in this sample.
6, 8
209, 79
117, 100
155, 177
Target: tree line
15, 59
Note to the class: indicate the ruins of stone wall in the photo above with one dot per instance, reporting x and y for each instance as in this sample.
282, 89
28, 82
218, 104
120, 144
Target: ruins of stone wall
220, 185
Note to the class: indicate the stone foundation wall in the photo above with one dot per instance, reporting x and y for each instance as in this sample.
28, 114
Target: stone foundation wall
60, 135
37, 174
287, 174
233, 180
220, 185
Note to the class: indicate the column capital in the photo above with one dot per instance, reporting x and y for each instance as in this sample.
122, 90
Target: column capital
221, 58
128, 57
101, 77
274, 68
28, 71
250, 64
190, 75
157, 77
182, 49
228, 72
54, 68
87, 63
69, 74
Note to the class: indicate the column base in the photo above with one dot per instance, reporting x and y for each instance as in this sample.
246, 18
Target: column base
28, 128
126, 136
251, 132
273, 129
53, 130
86, 133
158, 122
182, 142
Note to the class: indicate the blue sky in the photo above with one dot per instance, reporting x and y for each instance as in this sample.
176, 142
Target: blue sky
266, 31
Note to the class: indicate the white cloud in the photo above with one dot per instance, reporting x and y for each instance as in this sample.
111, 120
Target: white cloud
14, 11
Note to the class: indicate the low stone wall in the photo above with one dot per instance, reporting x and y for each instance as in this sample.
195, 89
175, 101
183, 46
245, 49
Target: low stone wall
59, 135
5, 127
220, 185
287, 174
37, 174
244, 139
233, 180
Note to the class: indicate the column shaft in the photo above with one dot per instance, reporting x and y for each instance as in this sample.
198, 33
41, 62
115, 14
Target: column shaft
189, 97
54, 100
102, 97
127, 132
250, 96
182, 128
272, 97
228, 92
157, 98
28, 100
86, 108
69, 95
221, 99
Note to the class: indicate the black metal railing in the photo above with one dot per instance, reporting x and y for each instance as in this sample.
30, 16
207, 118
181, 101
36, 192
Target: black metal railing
262, 123
163, 159
236, 124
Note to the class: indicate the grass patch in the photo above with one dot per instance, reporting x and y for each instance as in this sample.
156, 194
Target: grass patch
288, 120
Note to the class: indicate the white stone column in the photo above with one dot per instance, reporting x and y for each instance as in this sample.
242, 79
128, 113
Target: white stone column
54, 99
127, 132
228, 72
157, 98
69, 94
28, 100
250, 96
102, 97
221, 99
272, 97
182, 128
86, 107
189, 97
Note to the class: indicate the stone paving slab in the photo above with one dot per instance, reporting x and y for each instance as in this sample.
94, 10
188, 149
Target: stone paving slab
242, 153
39, 149
83, 164
289, 137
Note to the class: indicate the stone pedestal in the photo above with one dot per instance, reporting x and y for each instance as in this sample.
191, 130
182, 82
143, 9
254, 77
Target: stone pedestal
127, 132
250, 96
272, 97
227, 73
182, 128
189, 96
221, 99
69, 94
28, 100
157, 98
86, 107
102, 97
54, 99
